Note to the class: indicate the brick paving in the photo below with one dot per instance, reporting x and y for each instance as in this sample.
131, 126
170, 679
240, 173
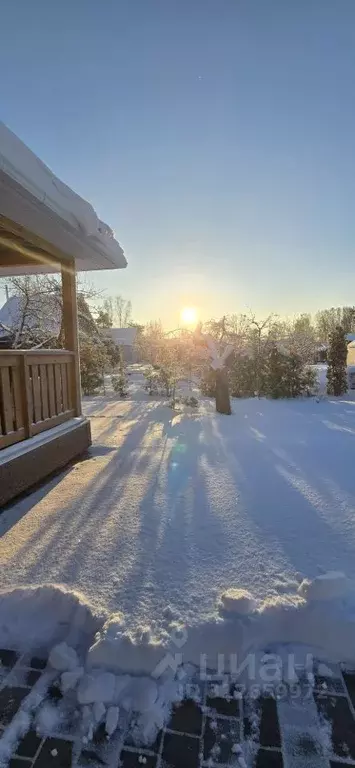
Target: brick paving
302, 725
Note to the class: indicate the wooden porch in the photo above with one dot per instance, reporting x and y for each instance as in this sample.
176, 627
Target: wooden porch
40, 388
44, 227
37, 392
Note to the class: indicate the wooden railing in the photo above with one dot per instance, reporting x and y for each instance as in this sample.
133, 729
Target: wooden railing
36, 392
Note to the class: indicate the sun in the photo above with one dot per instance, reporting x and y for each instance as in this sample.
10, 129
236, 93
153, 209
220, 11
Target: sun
188, 315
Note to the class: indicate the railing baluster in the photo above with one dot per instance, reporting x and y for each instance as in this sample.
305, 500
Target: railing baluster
8, 414
44, 391
37, 410
58, 388
26, 395
64, 367
51, 392
16, 383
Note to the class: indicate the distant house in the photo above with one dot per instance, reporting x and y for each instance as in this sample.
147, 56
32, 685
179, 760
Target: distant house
36, 321
125, 338
36, 324
350, 337
322, 350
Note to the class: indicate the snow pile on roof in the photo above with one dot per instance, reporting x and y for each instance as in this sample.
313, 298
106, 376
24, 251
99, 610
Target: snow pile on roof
22, 165
123, 336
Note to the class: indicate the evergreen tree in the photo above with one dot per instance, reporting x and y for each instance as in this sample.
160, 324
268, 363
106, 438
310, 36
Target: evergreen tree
275, 373
242, 376
92, 364
337, 383
292, 378
119, 381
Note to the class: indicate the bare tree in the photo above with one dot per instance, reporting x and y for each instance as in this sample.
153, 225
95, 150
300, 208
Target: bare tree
119, 311
35, 312
261, 336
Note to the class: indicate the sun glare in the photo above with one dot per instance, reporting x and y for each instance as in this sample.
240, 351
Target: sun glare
189, 315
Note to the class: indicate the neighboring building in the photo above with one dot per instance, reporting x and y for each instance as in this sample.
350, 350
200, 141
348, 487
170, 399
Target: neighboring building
350, 337
44, 227
36, 321
322, 350
41, 319
125, 338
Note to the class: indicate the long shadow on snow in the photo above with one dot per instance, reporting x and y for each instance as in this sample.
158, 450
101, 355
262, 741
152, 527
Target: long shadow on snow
92, 506
290, 491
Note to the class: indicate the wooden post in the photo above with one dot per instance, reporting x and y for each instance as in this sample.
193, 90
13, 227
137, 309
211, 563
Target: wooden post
70, 324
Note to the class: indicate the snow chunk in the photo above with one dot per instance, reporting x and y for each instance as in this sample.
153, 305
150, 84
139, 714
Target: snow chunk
97, 687
98, 710
116, 648
328, 586
112, 720
140, 694
238, 601
48, 719
70, 679
63, 658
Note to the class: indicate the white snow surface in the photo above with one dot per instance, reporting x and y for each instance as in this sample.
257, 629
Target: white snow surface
37, 616
238, 601
172, 511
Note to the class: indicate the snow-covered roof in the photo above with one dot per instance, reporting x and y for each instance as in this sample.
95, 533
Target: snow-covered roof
124, 336
44, 314
30, 194
9, 314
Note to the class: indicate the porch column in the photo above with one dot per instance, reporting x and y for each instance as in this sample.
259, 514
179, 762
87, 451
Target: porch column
70, 324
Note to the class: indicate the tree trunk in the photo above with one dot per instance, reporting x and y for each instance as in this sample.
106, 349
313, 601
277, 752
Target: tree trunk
222, 393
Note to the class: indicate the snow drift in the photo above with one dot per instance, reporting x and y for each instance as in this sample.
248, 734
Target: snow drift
35, 617
113, 671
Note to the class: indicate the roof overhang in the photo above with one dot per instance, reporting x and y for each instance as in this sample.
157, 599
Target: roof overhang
38, 213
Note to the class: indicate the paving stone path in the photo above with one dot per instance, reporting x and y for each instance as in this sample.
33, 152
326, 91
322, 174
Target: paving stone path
303, 725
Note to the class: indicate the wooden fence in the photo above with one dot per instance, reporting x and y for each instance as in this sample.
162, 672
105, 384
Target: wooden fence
36, 392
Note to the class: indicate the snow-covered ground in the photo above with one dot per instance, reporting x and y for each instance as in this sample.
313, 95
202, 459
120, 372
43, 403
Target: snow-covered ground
172, 511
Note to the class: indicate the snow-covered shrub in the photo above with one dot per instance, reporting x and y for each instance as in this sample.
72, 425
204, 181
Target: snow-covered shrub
287, 376
151, 381
160, 380
166, 380
190, 400
174, 402
119, 384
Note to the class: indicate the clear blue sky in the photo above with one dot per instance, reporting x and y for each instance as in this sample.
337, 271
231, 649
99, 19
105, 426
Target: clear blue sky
216, 137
